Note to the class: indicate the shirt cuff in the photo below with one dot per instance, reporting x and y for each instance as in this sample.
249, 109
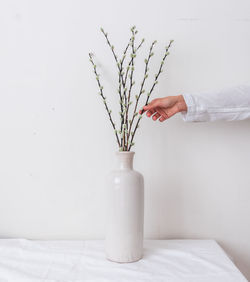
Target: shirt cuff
191, 110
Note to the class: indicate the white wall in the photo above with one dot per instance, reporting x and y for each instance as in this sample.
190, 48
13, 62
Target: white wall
56, 144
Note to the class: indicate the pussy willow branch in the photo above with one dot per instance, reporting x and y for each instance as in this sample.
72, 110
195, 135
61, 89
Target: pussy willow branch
122, 60
145, 76
151, 90
121, 67
120, 77
130, 62
125, 122
128, 67
119, 64
131, 83
123, 96
104, 98
122, 81
126, 131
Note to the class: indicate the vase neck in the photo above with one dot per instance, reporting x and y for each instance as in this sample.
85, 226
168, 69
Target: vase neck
125, 160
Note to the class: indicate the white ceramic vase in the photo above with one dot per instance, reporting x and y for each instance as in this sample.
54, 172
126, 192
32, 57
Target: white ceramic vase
125, 211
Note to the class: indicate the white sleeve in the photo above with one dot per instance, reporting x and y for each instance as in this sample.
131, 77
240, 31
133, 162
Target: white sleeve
227, 104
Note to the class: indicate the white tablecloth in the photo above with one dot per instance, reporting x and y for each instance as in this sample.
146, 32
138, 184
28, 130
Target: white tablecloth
164, 260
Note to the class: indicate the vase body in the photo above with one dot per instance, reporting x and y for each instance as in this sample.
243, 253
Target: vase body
125, 211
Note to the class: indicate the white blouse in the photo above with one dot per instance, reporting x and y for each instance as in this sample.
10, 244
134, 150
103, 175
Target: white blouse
227, 104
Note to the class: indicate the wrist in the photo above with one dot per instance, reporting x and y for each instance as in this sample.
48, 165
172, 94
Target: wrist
182, 106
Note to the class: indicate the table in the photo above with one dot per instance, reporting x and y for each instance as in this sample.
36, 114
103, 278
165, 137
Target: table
164, 260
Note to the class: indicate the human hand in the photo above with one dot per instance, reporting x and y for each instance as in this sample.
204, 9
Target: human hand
164, 108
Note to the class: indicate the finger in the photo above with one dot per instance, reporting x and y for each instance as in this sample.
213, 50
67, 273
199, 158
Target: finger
163, 114
142, 111
150, 113
156, 116
151, 105
163, 119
